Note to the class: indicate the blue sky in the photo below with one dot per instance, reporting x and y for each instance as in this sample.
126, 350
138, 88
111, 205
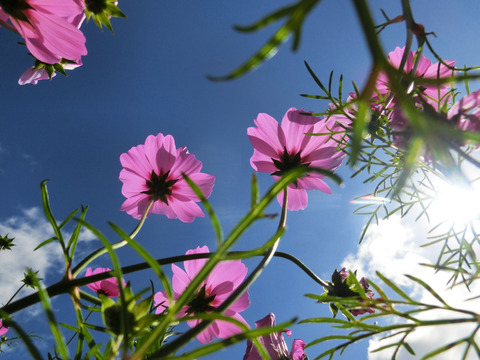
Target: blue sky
150, 77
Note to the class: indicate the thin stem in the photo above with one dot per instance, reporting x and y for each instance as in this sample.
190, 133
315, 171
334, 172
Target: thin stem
65, 286
77, 269
75, 334
464, 155
16, 293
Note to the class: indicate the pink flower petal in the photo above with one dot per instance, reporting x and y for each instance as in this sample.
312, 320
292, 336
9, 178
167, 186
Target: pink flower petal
295, 126
108, 287
51, 38
186, 211
233, 271
32, 76
227, 329
297, 199
241, 304
314, 183
209, 334
180, 279
274, 343
161, 302
135, 161
3, 329
298, 350
185, 163
192, 267
184, 192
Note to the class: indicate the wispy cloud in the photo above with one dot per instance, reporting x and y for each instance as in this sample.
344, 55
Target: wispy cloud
29, 229
393, 248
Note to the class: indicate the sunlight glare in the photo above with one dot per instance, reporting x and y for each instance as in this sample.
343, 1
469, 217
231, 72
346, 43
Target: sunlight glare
456, 204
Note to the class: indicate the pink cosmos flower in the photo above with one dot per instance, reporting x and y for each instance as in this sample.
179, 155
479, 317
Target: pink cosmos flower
432, 94
435, 96
279, 148
153, 171
108, 287
275, 344
48, 28
363, 282
217, 287
465, 113
3, 329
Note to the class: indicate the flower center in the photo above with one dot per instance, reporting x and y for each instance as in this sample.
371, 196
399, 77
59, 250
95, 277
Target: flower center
287, 162
159, 187
201, 302
102, 292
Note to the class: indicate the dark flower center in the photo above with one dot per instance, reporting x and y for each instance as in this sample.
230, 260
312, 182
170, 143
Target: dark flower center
159, 186
287, 162
201, 302
102, 292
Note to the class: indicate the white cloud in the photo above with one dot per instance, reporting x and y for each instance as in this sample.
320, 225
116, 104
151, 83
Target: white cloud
29, 230
393, 248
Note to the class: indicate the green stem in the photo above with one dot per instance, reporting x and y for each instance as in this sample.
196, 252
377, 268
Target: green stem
16, 293
77, 269
65, 286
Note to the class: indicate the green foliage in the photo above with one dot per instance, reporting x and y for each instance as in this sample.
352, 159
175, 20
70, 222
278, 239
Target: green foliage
138, 318
101, 11
295, 15
394, 320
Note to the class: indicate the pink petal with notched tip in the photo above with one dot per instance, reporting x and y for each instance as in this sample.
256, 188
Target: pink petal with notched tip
135, 161
51, 38
186, 163
186, 211
135, 205
262, 165
241, 304
267, 137
203, 181
180, 279
232, 271
207, 335
192, 267
295, 126
313, 183
297, 198
160, 152
227, 329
